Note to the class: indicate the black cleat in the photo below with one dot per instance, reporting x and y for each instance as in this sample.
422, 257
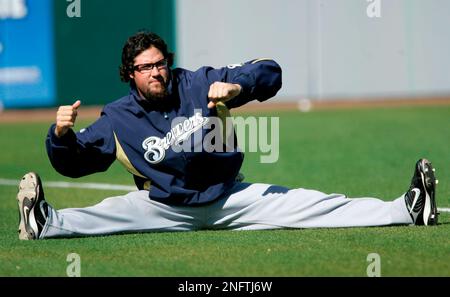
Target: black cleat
420, 198
33, 209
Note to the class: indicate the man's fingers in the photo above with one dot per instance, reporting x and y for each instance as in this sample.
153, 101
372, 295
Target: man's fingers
66, 108
63, 118
220, 91
225, 93
67, 112
68, 124
66, 116
211, 104
76, 104
212, 94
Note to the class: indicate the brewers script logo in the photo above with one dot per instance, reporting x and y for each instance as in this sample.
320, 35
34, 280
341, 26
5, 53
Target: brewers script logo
156, 147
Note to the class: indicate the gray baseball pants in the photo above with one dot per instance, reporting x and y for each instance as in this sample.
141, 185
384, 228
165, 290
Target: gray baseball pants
245, 207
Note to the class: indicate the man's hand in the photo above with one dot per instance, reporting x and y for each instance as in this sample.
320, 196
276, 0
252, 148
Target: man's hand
65, 118
222, 92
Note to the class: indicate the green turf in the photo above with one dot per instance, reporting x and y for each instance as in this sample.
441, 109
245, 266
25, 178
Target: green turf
358, 152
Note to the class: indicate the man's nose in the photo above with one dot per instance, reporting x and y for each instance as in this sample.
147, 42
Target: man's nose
155, 71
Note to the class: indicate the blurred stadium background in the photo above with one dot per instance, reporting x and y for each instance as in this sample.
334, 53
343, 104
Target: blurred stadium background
329, 50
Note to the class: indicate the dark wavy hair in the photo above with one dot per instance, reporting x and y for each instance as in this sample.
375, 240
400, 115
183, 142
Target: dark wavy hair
135, 45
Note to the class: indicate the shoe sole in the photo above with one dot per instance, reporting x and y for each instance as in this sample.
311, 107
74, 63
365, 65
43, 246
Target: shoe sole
430, 215
28, 198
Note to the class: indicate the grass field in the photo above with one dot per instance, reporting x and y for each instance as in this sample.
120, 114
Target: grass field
362, 153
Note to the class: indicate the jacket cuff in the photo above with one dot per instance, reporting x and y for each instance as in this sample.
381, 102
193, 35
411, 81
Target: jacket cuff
246, 81
63, 141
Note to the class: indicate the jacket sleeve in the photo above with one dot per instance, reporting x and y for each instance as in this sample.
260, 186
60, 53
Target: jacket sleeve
78, 154
260, 79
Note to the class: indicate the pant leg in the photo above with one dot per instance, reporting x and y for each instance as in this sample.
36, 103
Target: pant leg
134, 212
262, 206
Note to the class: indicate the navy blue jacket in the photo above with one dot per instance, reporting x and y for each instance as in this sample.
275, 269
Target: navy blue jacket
141, 135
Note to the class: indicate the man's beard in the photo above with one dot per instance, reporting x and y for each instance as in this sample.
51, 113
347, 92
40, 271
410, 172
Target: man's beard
156, 96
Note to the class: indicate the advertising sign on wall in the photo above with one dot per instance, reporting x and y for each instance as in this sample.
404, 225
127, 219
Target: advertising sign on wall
26, 54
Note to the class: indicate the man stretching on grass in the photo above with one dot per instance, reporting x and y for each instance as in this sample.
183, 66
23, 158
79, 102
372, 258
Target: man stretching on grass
192, 188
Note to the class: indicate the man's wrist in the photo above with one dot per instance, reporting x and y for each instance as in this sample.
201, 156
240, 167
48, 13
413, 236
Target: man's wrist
239, 87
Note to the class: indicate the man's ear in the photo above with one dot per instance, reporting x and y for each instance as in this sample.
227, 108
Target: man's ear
131, 76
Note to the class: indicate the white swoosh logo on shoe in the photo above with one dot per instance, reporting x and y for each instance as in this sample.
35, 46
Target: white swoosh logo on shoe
416, 198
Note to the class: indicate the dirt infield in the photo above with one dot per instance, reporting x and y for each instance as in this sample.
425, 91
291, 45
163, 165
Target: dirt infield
44, 115
92, 112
